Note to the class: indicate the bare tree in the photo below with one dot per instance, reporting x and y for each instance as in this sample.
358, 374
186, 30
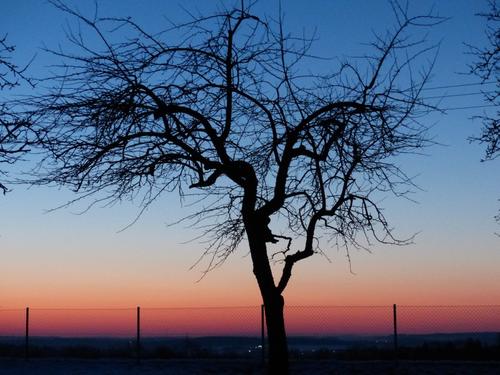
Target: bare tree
289, 162
487, 67
11, 145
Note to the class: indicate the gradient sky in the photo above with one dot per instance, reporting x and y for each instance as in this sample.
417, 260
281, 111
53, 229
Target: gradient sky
61, 259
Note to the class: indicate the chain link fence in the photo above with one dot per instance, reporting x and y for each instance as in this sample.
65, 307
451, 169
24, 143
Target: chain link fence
344, 332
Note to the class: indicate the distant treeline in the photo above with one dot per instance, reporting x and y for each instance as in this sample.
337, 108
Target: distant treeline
466, 349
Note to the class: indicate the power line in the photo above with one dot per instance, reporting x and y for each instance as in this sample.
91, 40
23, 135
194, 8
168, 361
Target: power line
458, 85
467, 107
459, 95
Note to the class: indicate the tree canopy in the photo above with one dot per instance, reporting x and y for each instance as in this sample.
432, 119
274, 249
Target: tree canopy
228, 108
11, 126
487, 67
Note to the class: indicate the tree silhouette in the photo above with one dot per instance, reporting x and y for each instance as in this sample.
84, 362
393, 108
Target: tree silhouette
286, 160
11, 126
487, 67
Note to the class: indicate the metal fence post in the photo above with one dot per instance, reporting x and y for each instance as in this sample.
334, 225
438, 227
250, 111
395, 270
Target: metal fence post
138, 336
395, 320
263, 332
27, 334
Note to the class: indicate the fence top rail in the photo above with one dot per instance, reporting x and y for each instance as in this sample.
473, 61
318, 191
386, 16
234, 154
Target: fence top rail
201, 307
450, 306
390, 306
341, 306
238, 307
72, 309
129, 308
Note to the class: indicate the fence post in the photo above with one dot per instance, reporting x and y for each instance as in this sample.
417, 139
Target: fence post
27, 334
262, 332
138, 336
395, 320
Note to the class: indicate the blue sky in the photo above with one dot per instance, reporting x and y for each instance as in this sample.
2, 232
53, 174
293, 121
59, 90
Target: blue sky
456, 247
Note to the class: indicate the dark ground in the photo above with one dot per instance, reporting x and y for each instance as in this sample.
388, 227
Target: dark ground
224, 367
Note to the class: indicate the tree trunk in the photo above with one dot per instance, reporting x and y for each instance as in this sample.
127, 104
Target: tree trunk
273, 305
255, 228
276, 334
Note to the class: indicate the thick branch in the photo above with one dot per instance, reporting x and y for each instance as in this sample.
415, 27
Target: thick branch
290, 153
